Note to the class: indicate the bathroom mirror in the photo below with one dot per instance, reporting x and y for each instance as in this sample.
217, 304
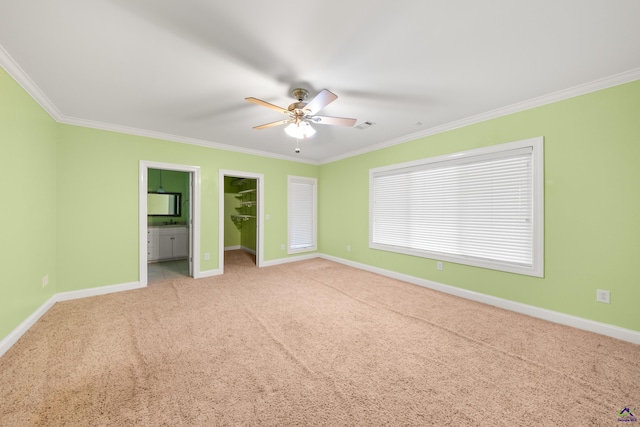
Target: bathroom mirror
163, 204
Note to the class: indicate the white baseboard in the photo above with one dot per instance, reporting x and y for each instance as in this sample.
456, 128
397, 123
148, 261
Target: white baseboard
208, 273
541, 313
100, 290
246, 249
238, 248
290, 259
23, 327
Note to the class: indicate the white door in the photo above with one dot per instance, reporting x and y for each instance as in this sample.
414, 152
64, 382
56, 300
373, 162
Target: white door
165, 244
181, 243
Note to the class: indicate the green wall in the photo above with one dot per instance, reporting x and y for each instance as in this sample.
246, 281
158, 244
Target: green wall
592, 206
73, 204
103, 236
232, 231
28, 138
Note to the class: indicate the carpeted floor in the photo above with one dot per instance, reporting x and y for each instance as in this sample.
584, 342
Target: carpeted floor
308, 343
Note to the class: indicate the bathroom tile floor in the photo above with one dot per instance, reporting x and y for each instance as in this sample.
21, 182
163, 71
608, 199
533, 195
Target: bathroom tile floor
167, 270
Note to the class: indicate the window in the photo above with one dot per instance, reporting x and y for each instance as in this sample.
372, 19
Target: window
302, 214
482, 207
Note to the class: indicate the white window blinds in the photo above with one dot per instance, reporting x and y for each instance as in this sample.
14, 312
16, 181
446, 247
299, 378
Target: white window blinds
478, 208
302, 214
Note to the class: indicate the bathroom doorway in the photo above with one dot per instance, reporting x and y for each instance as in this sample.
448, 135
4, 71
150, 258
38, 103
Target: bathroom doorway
169, 221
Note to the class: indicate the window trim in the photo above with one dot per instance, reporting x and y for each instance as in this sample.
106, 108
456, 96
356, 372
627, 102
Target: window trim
314, 183
537, 268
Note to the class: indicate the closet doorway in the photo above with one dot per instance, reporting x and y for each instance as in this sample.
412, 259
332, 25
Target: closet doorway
169, 221
241, 216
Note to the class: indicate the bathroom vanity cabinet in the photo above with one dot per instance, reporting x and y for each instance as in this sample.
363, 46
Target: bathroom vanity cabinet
167, 243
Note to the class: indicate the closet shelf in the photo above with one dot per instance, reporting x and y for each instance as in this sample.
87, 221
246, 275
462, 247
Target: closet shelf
240, 182
242, 217
247, 200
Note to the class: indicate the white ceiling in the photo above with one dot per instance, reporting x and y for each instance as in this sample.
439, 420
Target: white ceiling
181, 69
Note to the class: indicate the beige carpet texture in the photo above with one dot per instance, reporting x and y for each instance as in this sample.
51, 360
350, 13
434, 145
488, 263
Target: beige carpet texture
311, 343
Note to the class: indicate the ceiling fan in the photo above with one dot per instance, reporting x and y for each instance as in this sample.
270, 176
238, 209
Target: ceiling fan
301, 114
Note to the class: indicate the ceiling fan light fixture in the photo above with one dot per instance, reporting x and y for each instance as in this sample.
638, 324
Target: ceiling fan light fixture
301, 115
300, 130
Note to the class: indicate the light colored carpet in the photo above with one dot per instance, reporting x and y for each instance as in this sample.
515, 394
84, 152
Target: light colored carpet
308, 343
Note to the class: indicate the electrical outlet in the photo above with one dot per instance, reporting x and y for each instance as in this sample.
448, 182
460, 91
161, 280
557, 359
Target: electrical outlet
439, 265
348, 248
207, 256
45, 280
282, 247
603, 296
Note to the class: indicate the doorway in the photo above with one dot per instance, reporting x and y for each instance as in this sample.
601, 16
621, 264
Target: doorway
169, 221
241, 215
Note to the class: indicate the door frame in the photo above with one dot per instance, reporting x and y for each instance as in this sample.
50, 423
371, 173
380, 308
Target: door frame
194, 214
260, 214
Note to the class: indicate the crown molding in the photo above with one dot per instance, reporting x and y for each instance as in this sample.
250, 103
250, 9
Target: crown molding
22, 78
18, 74
175, 138
572, 92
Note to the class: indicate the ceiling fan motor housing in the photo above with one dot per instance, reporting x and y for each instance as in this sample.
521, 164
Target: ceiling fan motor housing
297, 106
300, 94
303, 112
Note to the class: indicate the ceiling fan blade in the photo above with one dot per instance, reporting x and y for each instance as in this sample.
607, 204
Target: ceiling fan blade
266, 104
321, 100
272, 124
336, 121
